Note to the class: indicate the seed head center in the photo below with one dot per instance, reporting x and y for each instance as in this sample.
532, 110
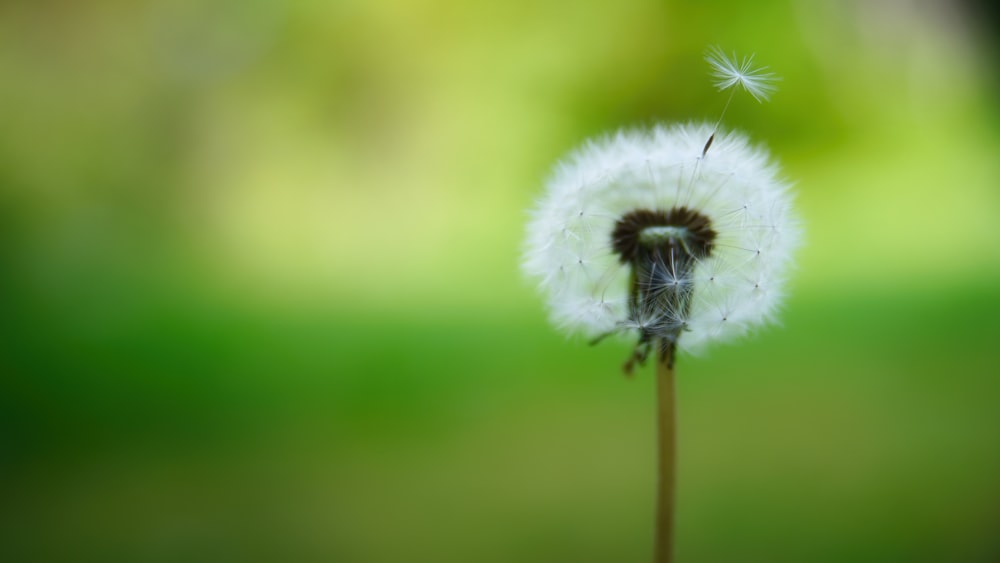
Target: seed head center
661, 248
642, 231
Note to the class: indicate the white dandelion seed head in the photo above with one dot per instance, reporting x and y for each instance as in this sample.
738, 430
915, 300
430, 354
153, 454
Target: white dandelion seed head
668, 187
729, 73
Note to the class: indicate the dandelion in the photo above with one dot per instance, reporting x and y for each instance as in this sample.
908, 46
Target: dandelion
640, 233
648, 233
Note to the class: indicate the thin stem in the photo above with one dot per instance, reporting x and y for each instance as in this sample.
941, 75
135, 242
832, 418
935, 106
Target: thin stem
724, 108
666, 453
715, 129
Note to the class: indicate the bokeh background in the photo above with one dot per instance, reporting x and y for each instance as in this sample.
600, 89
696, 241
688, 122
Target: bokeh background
260, 298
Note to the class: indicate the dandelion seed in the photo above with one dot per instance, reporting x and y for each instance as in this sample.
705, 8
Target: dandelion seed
728, 73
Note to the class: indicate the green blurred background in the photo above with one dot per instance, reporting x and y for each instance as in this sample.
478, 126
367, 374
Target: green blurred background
260, 298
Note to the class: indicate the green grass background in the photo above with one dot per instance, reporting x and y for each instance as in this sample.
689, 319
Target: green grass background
260, 300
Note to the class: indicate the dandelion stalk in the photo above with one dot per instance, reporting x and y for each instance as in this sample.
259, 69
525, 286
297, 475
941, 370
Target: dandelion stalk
666, 431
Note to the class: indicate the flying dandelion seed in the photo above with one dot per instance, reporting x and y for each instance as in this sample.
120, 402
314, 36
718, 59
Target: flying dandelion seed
728, 73
649, 233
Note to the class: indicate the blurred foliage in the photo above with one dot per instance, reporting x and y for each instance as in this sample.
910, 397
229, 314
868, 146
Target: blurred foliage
259, 296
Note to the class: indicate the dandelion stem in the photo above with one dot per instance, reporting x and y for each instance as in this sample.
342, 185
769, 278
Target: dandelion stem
666, 453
